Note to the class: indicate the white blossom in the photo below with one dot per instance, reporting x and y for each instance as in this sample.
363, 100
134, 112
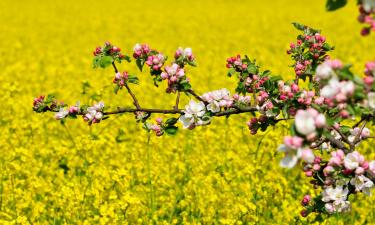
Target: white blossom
362, 183
61, 114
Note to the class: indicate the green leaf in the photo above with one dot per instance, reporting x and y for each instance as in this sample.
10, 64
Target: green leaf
171, 130
133, 79
140, 62
116, 88
105, 61
192, 63
171, 121
332, 5
127, 58
299, 26
185, 86
276, 78
231, 71
252, 69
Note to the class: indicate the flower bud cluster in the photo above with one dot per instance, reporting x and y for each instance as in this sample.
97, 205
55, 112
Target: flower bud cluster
94, 114
175, 75
121, 78
184, 56
141, 51
109, 50
309, 51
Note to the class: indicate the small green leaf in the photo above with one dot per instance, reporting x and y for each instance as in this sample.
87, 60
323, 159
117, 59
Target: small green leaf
171, 130
171, 121
299, 26
105, 61
127, 58
332, 5
231, 71
116, 88
140, 62
133, 79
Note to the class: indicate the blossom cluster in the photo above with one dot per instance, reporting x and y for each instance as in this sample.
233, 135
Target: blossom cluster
154, 59
141, 51
177, 80
218, 99
49, 103
107, 54
308, 52
94, 114
184, 56
341, 175
366, 16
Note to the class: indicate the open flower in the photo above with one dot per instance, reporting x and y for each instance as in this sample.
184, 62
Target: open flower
362, 183
353, 160
61, 114
217, 99
194, 115
306, 121
335, 194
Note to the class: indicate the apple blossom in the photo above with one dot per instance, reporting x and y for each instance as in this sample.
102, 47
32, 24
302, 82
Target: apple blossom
194, 115
353, 160
362, 183
62, 114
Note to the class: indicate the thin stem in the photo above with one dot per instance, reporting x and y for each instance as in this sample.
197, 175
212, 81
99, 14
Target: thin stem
344, 137
177, 101
135, 100
197, 96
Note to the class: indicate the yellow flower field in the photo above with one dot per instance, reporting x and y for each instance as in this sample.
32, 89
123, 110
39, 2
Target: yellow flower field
115, 172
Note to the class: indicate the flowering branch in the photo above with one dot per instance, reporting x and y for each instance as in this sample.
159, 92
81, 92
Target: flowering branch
322, 139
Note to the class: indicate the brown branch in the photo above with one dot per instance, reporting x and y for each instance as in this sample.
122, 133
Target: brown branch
338, 144
344, 137
357, 137
135, 100
190, 91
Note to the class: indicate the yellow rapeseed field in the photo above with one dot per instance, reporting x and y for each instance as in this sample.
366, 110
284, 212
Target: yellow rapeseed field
114, 172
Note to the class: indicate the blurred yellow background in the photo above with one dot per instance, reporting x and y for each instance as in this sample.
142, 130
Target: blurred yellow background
218, 174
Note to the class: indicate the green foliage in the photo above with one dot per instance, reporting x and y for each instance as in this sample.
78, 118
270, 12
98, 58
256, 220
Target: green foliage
332, 5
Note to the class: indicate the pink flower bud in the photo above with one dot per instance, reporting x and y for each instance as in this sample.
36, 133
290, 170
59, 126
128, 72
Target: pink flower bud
320, 121
328, 170
317, 160
316, 167
295, 88
359, 171
309, 173
319, 100
344, 114
306, 199
158, 120
365, 165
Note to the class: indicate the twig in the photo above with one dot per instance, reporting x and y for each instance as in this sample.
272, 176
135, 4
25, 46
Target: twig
197, 96
177, 100
345, 138
357, 137
135, 101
